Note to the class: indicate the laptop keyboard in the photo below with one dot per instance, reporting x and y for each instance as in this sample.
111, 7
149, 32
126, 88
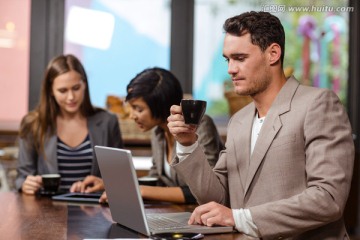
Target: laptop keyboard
164, 223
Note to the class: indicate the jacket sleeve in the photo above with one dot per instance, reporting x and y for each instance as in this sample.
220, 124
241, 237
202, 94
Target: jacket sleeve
198, 167
209, 140
115, 138
26, 163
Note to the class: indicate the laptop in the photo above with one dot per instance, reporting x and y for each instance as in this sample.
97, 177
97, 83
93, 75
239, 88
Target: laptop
126, 204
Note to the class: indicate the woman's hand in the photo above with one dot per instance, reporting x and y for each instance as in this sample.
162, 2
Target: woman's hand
89, 184
31, 184
103, 198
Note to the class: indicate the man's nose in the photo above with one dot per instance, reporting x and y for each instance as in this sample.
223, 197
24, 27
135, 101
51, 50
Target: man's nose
232, 68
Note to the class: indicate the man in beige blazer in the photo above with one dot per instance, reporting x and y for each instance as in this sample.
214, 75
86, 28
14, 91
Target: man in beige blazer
287, 167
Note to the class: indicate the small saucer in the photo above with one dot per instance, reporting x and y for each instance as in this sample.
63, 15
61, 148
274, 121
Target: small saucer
48, 193
148, 181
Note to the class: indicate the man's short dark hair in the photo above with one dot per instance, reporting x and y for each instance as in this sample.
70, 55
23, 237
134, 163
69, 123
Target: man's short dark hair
263, 27
159, 88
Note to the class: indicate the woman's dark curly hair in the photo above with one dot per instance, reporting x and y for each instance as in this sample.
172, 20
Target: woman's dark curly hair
159, 88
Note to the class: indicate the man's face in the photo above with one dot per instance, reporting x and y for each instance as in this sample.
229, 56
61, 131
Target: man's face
247, 65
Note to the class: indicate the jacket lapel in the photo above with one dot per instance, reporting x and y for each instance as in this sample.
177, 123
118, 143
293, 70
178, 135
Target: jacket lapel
50, 148
267, 134
93, 124
271, 127
96, 136
242, 153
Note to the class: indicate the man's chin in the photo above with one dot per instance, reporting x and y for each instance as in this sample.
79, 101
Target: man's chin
242, 93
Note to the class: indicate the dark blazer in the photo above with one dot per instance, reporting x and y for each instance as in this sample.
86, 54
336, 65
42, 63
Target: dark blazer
209, 140
104, 130
297, 180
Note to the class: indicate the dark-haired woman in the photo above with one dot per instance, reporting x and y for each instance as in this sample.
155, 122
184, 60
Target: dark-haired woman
151, 94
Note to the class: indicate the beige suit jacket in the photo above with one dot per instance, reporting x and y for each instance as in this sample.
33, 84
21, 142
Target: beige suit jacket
208, 138
296, 181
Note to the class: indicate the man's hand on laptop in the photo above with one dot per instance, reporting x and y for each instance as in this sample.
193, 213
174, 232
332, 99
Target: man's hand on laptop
211, 214
89, 184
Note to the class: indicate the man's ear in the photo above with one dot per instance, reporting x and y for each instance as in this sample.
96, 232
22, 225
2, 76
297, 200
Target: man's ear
274, 51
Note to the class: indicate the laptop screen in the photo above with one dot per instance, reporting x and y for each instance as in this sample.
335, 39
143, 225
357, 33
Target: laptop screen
122, 188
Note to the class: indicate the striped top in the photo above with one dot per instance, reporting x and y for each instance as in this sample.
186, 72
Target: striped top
74, 163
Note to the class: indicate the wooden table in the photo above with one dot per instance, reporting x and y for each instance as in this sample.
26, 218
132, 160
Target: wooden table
32, 217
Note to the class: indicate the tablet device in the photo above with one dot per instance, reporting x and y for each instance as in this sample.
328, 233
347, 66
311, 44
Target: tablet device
78, 197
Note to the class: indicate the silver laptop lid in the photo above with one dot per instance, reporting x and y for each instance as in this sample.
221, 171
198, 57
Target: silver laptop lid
125, 201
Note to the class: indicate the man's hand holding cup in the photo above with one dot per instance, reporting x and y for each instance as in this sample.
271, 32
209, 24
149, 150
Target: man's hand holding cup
184, 119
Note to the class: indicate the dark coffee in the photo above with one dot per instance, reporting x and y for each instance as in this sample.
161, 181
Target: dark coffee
193, 110
51, 182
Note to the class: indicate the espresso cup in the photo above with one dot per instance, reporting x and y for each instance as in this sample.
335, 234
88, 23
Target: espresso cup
193, 110
51, 182
148, 181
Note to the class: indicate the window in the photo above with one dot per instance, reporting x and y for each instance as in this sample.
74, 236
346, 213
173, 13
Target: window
14, 62
116, 39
